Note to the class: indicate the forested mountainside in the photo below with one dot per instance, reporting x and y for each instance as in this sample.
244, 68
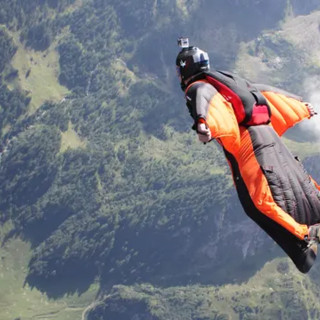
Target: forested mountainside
100, 173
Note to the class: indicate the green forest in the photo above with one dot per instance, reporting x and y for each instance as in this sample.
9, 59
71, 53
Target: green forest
104, 186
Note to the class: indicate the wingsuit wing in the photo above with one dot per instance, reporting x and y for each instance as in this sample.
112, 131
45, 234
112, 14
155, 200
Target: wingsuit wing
220, 118
287, 109
302, 255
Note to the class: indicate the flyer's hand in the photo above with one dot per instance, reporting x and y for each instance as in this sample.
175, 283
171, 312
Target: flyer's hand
311, 109
314, 233
204, 133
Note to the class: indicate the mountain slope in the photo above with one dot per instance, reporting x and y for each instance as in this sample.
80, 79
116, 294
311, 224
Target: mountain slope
104, 177
277, 291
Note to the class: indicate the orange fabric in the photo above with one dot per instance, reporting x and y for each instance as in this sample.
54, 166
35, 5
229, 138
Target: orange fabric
285, 111
259, 189
315, 183
222, 123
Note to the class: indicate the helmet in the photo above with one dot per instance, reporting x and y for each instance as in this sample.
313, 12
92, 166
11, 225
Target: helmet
190, 62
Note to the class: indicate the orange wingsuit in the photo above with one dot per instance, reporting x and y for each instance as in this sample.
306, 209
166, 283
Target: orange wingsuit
247, 149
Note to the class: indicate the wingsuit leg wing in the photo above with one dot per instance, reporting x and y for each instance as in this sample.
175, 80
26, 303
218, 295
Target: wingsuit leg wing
300, 252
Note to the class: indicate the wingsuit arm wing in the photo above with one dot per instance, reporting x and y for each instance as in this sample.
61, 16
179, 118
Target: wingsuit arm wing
287, 109
205, 102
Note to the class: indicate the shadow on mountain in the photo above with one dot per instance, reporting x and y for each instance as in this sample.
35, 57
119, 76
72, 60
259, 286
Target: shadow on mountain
39, 230
76, 278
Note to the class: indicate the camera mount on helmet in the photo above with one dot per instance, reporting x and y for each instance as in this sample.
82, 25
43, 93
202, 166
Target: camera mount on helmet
183, 42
